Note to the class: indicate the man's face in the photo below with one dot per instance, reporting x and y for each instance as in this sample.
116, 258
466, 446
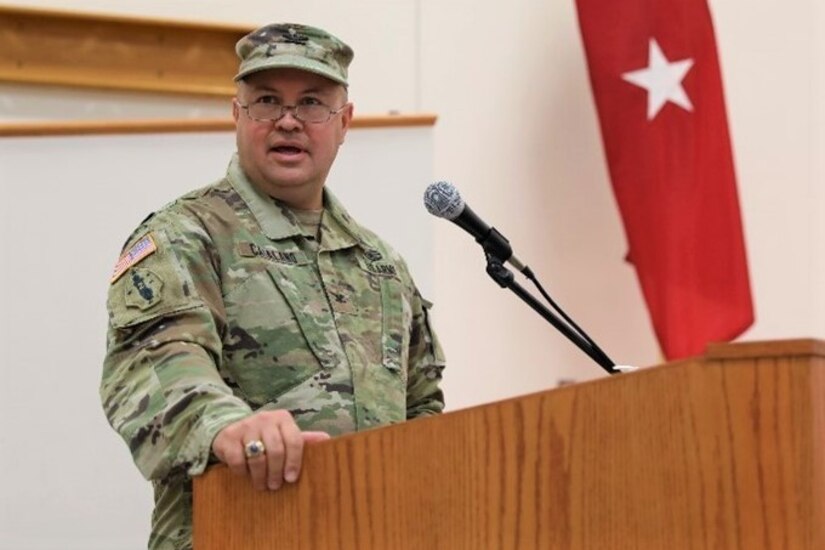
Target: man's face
288, 159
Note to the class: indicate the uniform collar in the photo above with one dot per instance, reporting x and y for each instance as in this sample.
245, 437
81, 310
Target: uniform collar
277, 222
338, 229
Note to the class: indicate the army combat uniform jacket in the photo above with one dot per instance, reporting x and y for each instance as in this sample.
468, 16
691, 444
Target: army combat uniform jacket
222, 305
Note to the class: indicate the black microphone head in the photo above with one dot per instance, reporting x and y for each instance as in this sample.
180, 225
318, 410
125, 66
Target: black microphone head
443, 200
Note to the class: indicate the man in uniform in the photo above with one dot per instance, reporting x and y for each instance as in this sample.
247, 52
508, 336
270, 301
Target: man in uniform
254, 315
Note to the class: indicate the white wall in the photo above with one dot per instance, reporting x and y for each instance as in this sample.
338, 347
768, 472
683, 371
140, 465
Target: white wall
818, 180
518, 135
69, 204
773, 95
541, 177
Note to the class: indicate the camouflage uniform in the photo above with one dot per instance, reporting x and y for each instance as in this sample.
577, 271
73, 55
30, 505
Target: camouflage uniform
230, 309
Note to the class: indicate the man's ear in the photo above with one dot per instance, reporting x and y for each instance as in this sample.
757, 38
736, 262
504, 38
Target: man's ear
346, 120
236, 109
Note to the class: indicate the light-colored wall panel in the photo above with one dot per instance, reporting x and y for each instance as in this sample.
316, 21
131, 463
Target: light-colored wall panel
531, 165
770, 71
25, 102
818, 182
518, 134
69, 204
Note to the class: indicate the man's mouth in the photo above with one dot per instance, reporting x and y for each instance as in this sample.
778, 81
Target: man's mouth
287, 150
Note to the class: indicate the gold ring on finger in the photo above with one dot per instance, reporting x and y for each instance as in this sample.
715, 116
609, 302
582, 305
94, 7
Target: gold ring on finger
254, 449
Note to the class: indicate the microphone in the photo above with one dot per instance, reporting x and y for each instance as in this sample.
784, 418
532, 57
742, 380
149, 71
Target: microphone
443, 200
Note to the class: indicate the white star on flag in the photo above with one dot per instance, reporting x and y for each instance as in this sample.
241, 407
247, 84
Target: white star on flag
662, 80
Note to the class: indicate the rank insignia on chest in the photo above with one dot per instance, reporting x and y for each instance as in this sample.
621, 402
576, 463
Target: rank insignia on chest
373, 255
140, 250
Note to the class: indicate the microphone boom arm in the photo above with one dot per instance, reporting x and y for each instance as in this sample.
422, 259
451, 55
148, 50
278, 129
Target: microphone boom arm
504, 278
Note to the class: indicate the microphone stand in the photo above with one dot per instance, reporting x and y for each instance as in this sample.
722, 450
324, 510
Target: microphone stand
504, 278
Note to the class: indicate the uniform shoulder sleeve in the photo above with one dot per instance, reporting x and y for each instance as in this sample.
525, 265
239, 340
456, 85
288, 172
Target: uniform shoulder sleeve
161, 386
151, 277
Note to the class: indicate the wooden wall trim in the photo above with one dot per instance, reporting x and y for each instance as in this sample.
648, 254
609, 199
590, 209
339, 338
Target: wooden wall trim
117, 52
161, 126
39, 13
802, 347
62, 48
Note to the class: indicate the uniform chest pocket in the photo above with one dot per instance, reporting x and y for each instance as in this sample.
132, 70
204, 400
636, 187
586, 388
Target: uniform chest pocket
277, 336
395, 313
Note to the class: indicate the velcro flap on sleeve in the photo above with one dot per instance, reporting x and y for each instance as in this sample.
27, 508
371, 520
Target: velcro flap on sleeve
159, 284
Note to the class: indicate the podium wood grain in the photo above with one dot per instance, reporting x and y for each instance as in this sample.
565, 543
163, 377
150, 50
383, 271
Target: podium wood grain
725, 451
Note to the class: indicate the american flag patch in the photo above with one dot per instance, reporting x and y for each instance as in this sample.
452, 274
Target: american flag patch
144, 247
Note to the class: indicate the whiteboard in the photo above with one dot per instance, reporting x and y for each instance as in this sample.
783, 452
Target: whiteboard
68, 204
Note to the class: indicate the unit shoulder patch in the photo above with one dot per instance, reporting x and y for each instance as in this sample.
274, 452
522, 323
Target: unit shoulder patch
144, 290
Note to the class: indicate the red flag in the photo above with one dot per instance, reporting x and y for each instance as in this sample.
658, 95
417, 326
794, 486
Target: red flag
658, 91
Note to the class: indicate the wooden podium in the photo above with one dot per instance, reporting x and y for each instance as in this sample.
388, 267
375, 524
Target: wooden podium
722, 451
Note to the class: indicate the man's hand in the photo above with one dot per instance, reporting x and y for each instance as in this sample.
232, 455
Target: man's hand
282, 439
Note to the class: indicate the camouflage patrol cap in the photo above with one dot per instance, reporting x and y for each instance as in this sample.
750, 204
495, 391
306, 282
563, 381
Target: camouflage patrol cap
287, 45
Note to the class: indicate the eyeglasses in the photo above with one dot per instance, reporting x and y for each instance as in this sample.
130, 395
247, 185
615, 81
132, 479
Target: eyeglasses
313, 113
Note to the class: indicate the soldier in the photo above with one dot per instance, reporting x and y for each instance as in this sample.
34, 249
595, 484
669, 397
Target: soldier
254, 315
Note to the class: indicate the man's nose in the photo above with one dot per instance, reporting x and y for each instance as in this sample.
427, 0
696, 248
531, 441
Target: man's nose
288, 120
